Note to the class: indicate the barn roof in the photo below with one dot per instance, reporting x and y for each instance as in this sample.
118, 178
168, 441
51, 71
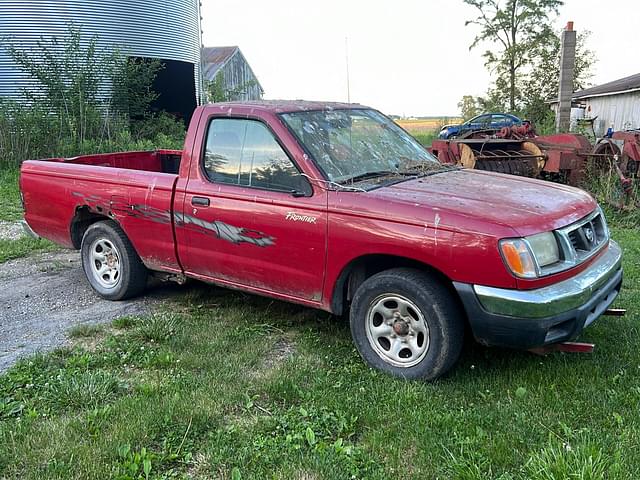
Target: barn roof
625, 84
214, 58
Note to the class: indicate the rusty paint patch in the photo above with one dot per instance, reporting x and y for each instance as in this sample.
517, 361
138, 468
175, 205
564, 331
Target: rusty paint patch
217, 228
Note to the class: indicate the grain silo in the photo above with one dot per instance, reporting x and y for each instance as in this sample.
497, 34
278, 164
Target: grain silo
165, 29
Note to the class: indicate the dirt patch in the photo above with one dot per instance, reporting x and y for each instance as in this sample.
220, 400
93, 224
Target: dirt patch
11, 230
200, 467
43, 296
281, 351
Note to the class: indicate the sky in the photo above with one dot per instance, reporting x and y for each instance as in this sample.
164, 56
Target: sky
405, 57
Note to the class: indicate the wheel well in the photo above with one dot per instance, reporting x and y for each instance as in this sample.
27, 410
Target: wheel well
82, 220
358, 270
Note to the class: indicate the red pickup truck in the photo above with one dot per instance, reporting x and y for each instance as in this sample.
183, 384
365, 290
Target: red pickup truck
335, 207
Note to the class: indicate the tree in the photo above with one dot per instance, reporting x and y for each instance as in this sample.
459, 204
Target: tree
217, 91
542, 83
515, 27
469, 107
70, 75
132, 89
544, 80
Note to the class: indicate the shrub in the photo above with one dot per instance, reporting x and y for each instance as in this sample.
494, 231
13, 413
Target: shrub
87, 99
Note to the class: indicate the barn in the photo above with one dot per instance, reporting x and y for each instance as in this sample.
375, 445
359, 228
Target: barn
614, 104
229, 66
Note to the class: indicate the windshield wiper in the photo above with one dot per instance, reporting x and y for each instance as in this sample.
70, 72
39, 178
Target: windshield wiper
375, 174
419, 171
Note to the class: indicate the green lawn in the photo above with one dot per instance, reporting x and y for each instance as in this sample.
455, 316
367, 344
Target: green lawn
11, 210
227, 385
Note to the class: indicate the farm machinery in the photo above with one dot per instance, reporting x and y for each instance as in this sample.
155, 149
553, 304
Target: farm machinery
565, 157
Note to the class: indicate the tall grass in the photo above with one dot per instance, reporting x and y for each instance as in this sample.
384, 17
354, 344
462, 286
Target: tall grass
425, 138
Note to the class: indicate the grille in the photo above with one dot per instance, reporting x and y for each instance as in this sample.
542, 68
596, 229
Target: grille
579, 241
587, 236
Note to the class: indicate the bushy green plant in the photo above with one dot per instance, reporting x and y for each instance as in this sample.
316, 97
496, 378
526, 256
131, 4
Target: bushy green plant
217, 91
70, 83
85, 99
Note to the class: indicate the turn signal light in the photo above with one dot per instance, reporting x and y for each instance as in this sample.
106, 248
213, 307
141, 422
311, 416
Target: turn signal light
518, 258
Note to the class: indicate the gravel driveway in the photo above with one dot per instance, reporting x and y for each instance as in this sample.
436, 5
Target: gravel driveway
44, 295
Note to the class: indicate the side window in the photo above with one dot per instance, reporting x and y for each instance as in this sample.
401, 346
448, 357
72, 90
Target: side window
483, 120
244, 152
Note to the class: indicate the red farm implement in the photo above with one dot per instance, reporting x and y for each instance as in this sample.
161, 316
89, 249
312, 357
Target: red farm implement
564, 157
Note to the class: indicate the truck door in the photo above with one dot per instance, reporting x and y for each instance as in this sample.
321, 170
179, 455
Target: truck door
249, 218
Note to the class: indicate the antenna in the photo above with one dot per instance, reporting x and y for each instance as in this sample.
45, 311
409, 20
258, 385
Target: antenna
346, 54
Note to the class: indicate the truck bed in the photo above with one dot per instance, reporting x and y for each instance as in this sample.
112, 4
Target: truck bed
134, 188
162, 161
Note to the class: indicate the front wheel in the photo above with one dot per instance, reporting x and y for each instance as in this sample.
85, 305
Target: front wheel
110, 262
406, 323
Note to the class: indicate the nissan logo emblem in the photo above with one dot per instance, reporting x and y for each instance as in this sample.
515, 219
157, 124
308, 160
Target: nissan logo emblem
588, 232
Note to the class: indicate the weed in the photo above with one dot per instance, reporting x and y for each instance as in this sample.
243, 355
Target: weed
86, 390
158, 327
560, 460
85, 330
134, 465
125, 322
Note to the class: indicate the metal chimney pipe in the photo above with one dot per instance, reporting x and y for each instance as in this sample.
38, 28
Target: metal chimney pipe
567, 67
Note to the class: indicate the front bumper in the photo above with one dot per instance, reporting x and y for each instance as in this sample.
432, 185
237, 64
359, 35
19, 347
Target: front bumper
557, 313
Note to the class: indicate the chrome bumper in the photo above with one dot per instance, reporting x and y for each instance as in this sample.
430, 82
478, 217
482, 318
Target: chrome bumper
554, 299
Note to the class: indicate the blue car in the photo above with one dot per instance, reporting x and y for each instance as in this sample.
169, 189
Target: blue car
486, 121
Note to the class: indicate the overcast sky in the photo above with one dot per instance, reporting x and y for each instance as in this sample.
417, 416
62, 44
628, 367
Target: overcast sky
406, 57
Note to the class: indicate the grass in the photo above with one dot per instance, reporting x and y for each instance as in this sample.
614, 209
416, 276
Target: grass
85, 330
424, 136
10, 207
227, 385
11, 210
22, 247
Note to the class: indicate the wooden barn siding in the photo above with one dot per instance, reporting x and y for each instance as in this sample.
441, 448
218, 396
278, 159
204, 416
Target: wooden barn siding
237, 74
622, 110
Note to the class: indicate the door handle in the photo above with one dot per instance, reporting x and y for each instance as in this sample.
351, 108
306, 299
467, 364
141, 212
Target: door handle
200, 201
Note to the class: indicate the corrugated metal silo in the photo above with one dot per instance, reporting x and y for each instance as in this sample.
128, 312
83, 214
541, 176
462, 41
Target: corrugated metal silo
164, 29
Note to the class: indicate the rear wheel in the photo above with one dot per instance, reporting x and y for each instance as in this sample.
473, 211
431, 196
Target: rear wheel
110, 262
406, 323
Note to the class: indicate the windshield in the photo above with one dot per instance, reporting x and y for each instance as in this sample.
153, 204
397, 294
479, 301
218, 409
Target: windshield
356, 144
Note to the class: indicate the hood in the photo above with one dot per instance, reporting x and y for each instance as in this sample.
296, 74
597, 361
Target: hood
465, 198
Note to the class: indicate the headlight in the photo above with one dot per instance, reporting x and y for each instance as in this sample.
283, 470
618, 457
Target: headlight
545, 248
525, 256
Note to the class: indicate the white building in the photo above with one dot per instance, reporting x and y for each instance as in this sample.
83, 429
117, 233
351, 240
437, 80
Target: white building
615, 104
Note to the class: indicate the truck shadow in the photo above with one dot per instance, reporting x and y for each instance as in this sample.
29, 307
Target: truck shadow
476, 361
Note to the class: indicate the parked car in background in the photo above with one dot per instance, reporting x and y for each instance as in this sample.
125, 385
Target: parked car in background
486, 121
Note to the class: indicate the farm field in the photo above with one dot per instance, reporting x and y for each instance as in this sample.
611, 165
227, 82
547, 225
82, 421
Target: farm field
427, 124
425, 130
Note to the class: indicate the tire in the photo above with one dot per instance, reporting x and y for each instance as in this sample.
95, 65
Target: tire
426, 322
110, 262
